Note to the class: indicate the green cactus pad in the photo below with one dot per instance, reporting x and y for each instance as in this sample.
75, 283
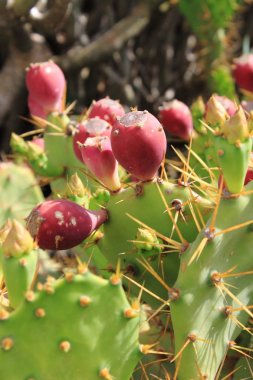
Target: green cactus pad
60, 153
234, 161
76, 328
58, 147
210, 323
19, 192
19, 273
145, 203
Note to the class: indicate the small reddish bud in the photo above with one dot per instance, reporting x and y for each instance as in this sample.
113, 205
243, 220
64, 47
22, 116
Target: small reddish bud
89, 128
236, 127
176, 119
46, 85
243, 72
139, 144
106, 109
227, 103
62, 224
98, 157
215, 113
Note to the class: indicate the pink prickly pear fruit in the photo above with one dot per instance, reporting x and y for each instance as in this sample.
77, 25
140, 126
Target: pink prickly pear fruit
62, 224
36, 109
89, 128
243, 72
176, 119
139, 144
107, 109
98, 157
227, 103
46, 86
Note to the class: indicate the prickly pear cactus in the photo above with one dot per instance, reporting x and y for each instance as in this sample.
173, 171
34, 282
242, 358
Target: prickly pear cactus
214, 287
181, 248
173, 221
19, 191
172, 206
78, 327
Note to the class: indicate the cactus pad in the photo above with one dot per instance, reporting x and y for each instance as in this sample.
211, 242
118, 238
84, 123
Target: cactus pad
76, 328
215, 287
19, 192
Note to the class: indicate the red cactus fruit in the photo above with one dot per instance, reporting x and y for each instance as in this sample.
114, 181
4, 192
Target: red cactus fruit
228, 104
139, 144
107, 109
176, 119
243, 72
62, 224
98, 157
89, 128
249, 176
46, 86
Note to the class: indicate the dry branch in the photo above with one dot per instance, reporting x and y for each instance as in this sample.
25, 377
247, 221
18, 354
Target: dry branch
104, 46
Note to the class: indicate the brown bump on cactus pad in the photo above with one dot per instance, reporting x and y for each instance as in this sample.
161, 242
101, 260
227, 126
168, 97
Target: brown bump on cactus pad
40, 312
131, 313
84, 301
65, 346
7, 343
105, 374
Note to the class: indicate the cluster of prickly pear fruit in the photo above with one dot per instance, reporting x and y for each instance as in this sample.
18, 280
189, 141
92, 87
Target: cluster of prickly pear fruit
171, 290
